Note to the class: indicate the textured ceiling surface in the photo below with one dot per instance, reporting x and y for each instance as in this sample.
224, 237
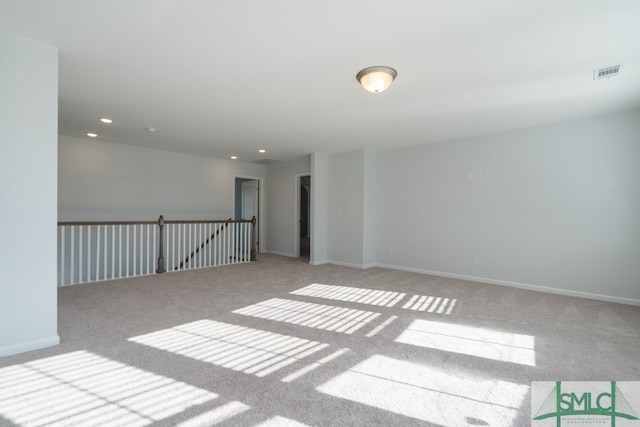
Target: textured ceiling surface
226, 77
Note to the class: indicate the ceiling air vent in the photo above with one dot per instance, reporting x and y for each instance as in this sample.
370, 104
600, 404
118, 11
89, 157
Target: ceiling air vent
605, 73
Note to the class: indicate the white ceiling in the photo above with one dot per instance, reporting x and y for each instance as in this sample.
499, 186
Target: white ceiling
226, 77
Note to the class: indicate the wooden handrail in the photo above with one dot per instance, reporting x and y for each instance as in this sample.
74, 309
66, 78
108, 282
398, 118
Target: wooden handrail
80, 223
203, 221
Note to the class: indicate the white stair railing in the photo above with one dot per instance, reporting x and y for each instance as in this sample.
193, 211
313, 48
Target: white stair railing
96, 251
198, 244
93, 251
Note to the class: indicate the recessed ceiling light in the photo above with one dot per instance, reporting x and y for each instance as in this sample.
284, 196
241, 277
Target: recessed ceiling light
234, 157
92, 135
262, 150
106, 120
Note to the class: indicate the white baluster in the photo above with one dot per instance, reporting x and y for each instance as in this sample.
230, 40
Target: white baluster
200, 240
190, 246
113, 252
97, 252
148, 270
245, 233
134, 251
119, 250
215, 245
246, 255
88, 253
127, 271
210, 243
173, 243
234, 243
225, 259
80, 254
223, 231
62, 239
73, 254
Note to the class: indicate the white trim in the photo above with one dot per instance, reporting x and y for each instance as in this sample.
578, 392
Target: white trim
282, 254
324, 261
29, 346
348, 264
526, 286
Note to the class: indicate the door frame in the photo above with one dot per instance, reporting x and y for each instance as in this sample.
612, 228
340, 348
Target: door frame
296, 223
261, 211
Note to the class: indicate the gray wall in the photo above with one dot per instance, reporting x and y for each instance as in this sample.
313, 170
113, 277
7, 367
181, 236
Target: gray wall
346, 208
369, 208
29, 115
552, 208
282, 205
107, 181
319, 211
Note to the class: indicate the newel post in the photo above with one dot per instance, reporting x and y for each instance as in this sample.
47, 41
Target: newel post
161, 268
253, 238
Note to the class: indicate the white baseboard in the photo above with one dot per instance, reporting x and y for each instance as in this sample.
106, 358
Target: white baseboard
526, 286
347, 264
324, 261
29, 346
529, 287
281, 254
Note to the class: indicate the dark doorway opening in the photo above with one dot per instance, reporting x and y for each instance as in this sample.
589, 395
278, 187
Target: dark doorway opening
305, 216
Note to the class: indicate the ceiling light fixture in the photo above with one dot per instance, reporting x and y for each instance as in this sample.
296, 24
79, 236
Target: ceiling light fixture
262, 150
376, 79
106, 120
92, 134
234, 157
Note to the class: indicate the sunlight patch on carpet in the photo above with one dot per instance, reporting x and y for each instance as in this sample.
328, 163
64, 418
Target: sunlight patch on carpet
427, 393
239, 348
82, 388
279, 421
472, 341
380, 327
430, 304
351, 294
319, 316
315, 365
217, 415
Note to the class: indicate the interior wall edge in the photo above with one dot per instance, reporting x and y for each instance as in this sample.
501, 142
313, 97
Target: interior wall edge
29, 346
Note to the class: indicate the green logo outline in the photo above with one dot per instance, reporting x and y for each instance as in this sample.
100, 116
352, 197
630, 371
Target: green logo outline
554, 400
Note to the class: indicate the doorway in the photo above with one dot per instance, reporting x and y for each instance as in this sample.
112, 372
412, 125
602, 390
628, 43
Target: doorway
304, 216
247, 202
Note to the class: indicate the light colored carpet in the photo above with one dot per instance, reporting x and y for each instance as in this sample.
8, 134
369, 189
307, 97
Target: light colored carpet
280, 342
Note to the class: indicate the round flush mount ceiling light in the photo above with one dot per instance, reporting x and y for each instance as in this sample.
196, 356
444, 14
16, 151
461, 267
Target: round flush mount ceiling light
92, 134
262, 151
376, 79
234, 157
106, 120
